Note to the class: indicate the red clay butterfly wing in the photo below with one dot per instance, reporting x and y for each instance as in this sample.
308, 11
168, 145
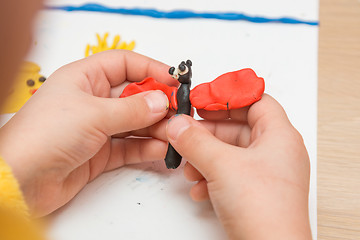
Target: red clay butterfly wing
229, 91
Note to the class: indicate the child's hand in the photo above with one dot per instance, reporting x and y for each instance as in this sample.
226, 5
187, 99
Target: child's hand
62, 138
255, 170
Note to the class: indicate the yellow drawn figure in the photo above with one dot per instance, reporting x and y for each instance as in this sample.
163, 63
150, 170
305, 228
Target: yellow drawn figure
27, 82
103, 46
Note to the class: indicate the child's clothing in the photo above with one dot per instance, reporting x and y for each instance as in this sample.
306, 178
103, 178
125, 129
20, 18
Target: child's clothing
14, 216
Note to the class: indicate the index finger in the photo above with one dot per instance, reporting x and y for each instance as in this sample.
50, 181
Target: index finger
117, 66
266, 113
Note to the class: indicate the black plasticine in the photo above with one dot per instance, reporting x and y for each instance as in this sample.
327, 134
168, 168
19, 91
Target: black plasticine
183, 74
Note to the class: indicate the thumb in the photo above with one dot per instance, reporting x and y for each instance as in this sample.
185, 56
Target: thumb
195, 143
133, 112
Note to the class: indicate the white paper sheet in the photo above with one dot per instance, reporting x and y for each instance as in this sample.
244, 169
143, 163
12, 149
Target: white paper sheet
149, 201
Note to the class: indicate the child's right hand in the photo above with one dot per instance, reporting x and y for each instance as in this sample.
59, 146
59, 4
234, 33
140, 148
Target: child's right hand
253, 167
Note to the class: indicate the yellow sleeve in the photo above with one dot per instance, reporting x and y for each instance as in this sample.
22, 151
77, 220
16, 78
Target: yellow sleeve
10, 195
14, 217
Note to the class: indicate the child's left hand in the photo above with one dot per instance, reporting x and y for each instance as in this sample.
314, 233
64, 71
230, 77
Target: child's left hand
63, 137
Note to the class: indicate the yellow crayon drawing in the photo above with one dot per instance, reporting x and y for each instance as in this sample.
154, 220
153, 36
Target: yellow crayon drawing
103, 46
26, 84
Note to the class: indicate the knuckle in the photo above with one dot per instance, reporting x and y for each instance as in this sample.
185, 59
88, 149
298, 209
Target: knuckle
134, 107
295, 145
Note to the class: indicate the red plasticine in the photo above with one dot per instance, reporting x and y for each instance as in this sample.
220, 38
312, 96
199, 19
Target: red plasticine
151, 84
229, 91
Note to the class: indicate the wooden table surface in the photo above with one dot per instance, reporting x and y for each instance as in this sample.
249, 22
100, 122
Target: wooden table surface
339, 120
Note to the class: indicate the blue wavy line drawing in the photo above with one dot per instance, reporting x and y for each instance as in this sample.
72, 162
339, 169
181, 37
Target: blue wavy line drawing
180, 14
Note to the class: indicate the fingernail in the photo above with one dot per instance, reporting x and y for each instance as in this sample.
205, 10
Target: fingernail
157, 101
176, 126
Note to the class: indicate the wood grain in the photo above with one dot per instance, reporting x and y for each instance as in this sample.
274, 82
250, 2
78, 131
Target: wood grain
339, 120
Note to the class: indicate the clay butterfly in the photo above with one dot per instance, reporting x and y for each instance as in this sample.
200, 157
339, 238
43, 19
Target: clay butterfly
231, 90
